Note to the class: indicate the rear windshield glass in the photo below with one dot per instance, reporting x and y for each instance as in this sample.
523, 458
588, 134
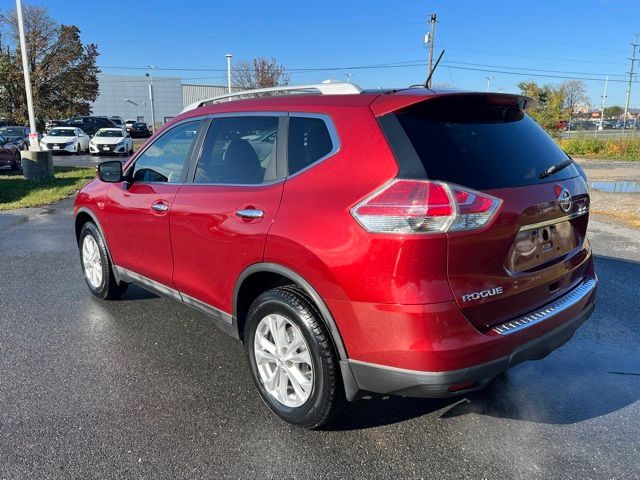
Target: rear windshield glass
480, 144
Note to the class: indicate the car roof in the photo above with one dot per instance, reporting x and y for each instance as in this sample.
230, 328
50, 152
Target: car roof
381, 101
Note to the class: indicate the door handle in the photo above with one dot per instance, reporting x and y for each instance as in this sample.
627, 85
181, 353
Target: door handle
250, 213
160, 207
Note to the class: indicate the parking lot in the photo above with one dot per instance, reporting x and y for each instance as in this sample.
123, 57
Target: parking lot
83, 160
146, 388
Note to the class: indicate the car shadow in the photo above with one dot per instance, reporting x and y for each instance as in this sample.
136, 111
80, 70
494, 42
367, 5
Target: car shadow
134, 292
596, 373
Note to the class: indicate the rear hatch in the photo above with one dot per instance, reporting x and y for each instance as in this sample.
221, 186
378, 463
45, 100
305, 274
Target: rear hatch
534, 249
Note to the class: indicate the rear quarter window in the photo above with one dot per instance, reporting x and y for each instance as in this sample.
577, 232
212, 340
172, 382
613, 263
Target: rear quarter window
309, 141
473, 142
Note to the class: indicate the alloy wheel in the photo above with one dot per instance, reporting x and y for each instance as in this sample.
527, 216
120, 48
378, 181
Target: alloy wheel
283, 360
92, 261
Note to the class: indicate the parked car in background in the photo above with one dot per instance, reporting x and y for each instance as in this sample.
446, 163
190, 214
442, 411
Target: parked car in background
413, 242
140, 130
117, 121
262, 144
128, 124
111, 141
65, 139
17, 135
9, 154
89, 125
49, 124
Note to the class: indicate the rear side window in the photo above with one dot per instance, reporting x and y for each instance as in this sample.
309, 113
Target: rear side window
239, 150
477, 143
309, 141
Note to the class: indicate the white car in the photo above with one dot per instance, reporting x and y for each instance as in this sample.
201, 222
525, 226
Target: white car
111, 140
65, 139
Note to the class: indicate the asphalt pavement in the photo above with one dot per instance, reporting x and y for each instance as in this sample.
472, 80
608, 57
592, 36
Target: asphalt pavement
147, 388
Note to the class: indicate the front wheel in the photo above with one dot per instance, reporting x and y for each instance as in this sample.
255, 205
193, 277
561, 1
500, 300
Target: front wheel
96, 265
292, 358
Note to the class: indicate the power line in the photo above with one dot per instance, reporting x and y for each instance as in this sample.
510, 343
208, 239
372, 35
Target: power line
479, 67
534, 69
529, 39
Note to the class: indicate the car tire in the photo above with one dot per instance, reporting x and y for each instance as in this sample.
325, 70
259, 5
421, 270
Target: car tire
295, 320
77, 149
96, 264
16, 164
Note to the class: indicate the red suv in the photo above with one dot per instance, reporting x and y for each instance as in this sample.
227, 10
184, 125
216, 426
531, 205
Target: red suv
410, 242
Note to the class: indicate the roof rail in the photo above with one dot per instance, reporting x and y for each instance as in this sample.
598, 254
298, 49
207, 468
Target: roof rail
329, 88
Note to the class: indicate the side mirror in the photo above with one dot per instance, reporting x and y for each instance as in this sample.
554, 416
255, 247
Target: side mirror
110, 172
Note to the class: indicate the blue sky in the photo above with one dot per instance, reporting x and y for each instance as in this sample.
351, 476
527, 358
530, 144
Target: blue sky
579, 38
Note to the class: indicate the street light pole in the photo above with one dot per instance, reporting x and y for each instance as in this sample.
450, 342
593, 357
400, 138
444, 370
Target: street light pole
604, 98
153, 108
33, 135
228, 55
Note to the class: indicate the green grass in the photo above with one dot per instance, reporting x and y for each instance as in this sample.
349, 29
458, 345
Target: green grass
16, 192
602, 148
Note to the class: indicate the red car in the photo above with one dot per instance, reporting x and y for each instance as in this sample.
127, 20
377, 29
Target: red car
409, 242
10, 153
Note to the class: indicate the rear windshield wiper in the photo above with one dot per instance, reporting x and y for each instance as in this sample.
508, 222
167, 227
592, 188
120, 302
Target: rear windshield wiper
555, 168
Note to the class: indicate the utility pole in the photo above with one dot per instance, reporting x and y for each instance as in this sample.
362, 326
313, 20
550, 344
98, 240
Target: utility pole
431, 39
604, 97
228, 55
634, 45
489, 82
33, 135
153, 107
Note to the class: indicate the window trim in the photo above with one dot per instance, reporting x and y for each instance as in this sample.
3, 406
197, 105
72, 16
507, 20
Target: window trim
195, 146
333, 134
280, 151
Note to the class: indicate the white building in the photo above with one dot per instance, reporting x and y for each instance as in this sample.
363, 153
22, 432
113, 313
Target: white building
128, 97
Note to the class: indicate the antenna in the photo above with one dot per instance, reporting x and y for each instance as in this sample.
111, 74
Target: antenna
427, 84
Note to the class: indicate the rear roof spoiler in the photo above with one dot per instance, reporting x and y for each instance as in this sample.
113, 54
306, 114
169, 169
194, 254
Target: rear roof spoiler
405, 98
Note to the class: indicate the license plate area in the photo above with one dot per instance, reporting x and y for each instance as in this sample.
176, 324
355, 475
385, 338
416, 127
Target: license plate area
535, 247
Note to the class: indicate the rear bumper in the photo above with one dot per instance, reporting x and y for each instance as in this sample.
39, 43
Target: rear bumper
533, 337
413, 383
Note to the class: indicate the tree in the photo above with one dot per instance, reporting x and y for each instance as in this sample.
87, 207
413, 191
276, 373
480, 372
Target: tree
613, 111
575, 96
64, 74
551, 104
259, 73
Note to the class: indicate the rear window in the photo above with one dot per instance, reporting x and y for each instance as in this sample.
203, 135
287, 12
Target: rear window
475, 142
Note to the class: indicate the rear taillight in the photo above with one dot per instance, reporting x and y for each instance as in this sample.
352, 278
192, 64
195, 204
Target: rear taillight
423, 206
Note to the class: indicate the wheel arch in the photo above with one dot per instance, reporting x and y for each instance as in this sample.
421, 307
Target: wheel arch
84, 215
288, 276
